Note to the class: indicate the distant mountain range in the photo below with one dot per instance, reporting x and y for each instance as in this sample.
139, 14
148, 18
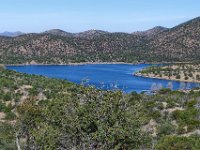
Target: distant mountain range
180, 43
11, 34
86, 34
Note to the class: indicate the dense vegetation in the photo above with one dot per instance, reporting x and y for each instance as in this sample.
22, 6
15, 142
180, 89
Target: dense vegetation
180, 43
41, 113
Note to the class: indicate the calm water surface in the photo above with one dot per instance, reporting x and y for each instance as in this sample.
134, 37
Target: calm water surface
104, 76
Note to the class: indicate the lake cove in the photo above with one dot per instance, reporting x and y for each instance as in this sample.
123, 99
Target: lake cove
103, 76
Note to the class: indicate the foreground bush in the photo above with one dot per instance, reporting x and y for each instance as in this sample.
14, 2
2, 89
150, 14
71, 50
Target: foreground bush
179, 143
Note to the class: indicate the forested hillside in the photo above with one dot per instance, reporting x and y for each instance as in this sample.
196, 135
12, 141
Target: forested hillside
159, 44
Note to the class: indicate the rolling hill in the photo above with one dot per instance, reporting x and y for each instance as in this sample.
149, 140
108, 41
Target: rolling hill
180, 43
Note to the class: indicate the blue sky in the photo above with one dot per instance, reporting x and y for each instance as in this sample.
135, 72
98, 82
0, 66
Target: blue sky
81, 15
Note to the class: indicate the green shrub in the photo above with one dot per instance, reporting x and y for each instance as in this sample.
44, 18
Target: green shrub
165, 91
10, 116
155, 114
166, 129
181, 129
150, 104
7, 97
178, 76
187, 118
171, 103
7, 137
190, 75
160, 106
191, 103
2, 106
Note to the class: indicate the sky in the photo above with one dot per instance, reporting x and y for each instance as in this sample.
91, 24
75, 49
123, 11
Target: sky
81, 15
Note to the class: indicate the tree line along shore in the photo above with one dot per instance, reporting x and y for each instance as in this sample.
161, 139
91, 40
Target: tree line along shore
178, 72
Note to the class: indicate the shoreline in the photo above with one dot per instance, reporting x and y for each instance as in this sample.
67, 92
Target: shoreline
73, 64
93, 63
161, 78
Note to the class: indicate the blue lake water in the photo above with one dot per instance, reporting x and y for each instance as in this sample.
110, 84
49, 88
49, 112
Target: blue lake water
104, 76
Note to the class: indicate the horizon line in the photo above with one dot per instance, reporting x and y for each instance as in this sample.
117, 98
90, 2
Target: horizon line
1, 32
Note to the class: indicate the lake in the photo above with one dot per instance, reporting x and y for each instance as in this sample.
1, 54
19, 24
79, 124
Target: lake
103, 76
